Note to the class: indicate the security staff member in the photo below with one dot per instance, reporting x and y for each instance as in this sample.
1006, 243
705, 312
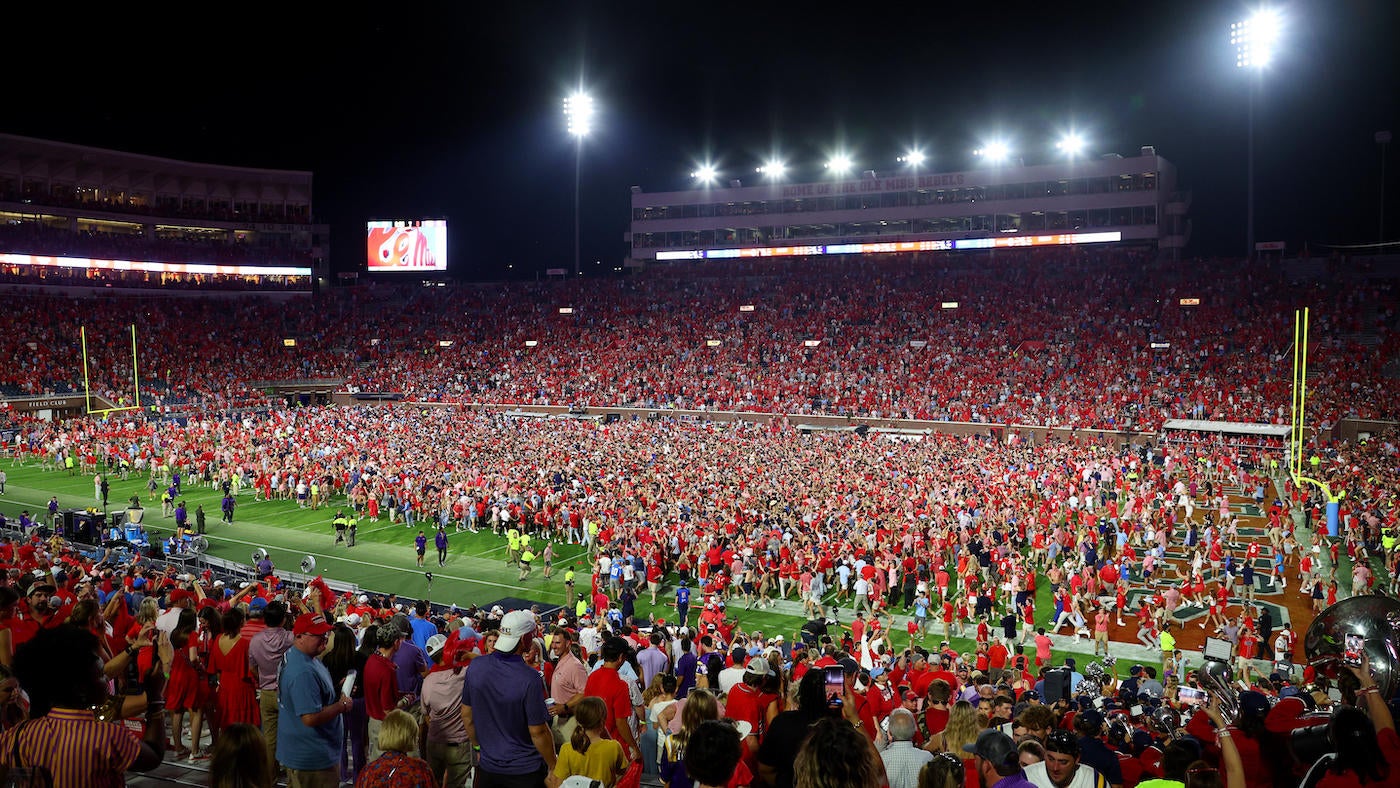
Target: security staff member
341, 523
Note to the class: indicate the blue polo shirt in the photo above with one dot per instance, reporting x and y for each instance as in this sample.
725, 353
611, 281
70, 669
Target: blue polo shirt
306, 688
422, 630
506, 697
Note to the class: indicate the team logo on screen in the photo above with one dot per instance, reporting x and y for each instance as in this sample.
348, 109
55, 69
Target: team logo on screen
401, 247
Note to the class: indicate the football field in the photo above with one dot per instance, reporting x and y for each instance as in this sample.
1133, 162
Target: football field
384, 561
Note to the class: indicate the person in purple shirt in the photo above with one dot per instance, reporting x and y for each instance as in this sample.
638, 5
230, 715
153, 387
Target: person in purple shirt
685, 669
503, 708
420, 544
653, 659
441, 541
410, 660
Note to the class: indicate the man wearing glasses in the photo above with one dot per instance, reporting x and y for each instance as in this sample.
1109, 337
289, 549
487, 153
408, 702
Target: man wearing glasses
309, 705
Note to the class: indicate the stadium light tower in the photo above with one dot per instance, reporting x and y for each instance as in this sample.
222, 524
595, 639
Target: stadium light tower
578, 112
773, 169
1256, 39
706, 174
914, 158
1071, 145
839, 164
995, 152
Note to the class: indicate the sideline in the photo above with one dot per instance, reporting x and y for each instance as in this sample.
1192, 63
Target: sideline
335, 556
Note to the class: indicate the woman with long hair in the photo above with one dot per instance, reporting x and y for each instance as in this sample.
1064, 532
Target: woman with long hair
963, 726
357, 721
837, 755
236, 698
146, 614
210, 625
341, 658
240, 759
657, 697
700, 705
185, 691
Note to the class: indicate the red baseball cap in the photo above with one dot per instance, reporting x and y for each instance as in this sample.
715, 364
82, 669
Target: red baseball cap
311, 624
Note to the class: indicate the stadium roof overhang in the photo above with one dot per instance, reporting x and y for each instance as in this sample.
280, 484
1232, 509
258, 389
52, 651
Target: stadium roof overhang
1228, 427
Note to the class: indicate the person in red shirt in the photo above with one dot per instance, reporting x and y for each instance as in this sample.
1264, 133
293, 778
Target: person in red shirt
606, 683
747, 702
381, 684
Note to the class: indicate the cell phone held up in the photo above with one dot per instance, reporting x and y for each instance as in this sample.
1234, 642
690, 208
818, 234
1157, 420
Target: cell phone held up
1353, 645
835, 687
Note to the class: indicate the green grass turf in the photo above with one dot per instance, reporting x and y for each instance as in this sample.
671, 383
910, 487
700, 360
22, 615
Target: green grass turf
383, 559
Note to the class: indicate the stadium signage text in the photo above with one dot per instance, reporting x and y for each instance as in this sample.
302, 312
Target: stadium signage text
874, 185
46, 404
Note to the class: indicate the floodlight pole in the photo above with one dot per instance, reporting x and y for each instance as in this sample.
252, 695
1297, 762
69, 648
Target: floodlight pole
1382, 139
578, 167
1249, 221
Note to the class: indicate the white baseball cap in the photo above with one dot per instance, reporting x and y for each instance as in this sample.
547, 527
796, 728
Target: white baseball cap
435, 644
516, 625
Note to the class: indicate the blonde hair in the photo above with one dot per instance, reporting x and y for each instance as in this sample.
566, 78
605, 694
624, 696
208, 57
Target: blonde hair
398, 732
590, 713
700, 705
962, 728
148, 611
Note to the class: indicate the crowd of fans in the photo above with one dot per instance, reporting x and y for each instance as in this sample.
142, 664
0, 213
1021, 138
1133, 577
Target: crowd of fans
34, 238
102, 663
942, 536
1090, 339
909, 542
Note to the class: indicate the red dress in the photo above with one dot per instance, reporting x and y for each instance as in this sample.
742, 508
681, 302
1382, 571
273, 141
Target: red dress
187, 689
236, 699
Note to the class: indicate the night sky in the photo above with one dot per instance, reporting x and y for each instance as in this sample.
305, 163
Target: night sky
455, 109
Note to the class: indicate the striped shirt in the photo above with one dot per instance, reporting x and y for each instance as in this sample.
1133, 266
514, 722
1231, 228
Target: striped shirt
77, 749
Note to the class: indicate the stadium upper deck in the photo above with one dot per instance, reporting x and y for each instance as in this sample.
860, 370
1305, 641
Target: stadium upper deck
1113, 198
72, 214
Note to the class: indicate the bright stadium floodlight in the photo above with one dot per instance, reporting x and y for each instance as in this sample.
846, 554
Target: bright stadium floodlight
995, 152
1257, 38
578, 112
840, 164
773, 168
1071, 144
913, 158
706, 174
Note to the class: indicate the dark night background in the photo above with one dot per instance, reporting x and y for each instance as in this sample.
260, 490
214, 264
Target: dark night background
455, 110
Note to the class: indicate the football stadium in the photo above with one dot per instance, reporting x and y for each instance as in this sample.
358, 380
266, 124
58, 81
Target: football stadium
941, 473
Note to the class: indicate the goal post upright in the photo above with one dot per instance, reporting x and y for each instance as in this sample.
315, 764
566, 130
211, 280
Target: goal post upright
87, 385
1300, 402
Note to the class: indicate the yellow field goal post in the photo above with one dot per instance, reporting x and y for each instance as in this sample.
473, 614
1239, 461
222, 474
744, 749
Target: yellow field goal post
135, 378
